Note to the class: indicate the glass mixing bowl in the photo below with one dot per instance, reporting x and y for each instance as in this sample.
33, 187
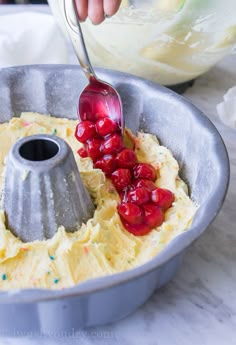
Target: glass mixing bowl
166, 41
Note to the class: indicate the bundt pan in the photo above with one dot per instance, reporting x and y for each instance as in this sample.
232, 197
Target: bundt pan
179, 125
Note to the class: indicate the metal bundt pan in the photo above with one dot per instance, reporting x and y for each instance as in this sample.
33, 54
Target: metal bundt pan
195, 143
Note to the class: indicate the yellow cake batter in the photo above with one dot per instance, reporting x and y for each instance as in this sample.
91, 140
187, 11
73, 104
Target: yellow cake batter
102, 246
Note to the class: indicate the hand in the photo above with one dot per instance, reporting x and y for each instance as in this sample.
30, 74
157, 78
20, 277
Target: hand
96, 10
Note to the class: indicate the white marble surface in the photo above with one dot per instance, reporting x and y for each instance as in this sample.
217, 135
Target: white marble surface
199, 305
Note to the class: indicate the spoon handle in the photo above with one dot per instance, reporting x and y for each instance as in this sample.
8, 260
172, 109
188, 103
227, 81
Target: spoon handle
69, 12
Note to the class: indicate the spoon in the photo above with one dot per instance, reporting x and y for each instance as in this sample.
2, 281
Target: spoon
140, 3
99, 99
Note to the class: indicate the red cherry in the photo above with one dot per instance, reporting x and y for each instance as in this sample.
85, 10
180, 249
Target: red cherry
106, 126
113, 144
107, 164
121, 178
149, 185
144, 171
164, 198
126, 159
131, 213
137, 229
83, 152
84, 131
153, 215
124, 194
139, 196
94, 148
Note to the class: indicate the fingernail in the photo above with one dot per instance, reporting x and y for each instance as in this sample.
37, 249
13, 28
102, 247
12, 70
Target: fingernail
106, 16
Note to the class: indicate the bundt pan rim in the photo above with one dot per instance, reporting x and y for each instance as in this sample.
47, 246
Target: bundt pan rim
202, 219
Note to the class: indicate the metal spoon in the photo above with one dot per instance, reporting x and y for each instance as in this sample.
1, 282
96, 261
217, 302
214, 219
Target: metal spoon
140, 3
98, 99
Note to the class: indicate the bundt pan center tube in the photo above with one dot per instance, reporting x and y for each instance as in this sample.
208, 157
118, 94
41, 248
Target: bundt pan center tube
43, 189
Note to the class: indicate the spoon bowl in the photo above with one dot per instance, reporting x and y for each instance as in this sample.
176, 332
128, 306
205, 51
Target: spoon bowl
98, 99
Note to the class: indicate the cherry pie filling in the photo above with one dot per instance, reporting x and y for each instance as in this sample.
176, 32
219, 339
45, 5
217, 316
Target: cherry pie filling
142, 204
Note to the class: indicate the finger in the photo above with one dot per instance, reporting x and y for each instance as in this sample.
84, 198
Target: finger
111, 6
96, 11
82, 9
